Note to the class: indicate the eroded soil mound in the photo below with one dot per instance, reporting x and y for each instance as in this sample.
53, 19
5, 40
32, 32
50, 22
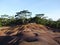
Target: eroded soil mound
29, 34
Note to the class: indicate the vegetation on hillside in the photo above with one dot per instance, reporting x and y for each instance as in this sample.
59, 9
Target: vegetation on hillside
24, 17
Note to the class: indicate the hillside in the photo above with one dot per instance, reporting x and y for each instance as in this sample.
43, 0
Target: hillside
29, 34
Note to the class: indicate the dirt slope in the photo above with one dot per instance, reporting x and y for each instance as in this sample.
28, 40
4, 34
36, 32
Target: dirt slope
29, 34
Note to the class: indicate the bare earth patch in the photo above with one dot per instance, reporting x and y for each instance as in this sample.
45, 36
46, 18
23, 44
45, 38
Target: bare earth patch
29, 34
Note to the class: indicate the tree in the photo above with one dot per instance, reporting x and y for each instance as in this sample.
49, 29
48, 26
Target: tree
39, 15
58, 20
25, 14
4, 16
0, 21
58, 23
4, 19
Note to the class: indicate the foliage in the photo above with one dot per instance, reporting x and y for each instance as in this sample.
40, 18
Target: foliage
24, 17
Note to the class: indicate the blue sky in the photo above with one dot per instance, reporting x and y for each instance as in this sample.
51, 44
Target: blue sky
50, 8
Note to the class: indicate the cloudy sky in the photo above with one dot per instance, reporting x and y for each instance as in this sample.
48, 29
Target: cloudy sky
50, 8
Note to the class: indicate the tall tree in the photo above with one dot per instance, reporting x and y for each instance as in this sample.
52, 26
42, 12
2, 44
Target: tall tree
25, 14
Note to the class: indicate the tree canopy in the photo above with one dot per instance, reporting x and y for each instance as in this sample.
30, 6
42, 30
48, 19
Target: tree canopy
24, 17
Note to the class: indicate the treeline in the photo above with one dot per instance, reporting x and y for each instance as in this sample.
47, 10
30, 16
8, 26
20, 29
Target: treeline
24, 17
